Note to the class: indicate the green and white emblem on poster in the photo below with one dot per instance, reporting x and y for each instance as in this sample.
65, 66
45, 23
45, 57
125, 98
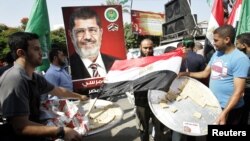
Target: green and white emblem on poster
111, 14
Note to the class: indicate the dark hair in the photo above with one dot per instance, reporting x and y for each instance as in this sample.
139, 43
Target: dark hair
198, 45
244, 38
54, 53
8, 58
226, 31
146, 39
188, 41
83, 13
180, 44
19, 40
169, 49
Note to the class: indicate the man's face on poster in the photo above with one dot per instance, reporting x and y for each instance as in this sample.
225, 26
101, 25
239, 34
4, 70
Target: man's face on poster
86, 37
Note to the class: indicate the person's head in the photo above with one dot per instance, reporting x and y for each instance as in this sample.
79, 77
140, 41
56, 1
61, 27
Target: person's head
86, 32
197, 46
169, 49
26, 46
224, 37
188, 42
146, 47
243, 42
57, 57
180, 44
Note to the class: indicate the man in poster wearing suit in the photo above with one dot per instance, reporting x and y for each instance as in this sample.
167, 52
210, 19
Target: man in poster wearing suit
86, 35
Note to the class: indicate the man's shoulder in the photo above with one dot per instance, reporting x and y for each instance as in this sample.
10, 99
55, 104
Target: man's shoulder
12, 77
240, 54
3, 69
237, 56
50, 72
193, 56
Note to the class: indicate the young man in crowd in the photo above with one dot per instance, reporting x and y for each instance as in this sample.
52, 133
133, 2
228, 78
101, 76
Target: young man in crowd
243, 44
143, 111
56, 74
20, 90
227, 75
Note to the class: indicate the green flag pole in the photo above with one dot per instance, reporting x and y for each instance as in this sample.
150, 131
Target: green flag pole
39, 23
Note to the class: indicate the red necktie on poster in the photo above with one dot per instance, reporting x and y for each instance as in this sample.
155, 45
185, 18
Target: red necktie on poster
93, 66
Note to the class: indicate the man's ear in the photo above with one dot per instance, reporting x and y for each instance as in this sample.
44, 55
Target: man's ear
54, 58
227, 39
245, 45
20, 52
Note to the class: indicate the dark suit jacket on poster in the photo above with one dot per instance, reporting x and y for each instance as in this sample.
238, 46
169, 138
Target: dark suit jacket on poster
79, 71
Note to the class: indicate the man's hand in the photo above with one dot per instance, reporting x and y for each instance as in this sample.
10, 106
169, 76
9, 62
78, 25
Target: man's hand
83, 97
71, 135
183, 74
222, 118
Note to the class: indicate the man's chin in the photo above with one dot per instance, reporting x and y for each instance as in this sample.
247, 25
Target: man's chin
40, 64
90, 56
88, 46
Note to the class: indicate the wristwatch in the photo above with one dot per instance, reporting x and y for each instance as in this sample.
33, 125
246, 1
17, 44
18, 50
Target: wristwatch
60, 133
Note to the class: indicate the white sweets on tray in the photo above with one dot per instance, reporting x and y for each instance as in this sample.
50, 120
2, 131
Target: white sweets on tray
62, 112
187, 105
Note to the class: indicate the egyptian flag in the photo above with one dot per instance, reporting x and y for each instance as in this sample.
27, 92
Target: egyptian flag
216, 20
142, 74
235, 13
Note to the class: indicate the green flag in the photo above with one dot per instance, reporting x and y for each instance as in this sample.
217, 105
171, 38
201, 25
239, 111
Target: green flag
123, 1
244, 23
210, 2
39, 23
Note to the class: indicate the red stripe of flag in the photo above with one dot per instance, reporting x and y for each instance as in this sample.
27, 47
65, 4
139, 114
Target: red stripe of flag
216, 20
218, 12
235, 13
141, 62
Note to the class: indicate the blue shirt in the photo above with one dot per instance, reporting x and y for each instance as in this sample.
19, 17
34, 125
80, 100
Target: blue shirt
58, 76
224, 68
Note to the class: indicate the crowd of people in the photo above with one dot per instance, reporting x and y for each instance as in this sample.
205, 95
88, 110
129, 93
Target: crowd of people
21, 88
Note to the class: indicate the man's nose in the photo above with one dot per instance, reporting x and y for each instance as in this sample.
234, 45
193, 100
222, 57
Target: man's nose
147, 49
87, 35
40, 52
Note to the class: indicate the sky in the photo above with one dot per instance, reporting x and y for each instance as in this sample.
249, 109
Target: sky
12, 11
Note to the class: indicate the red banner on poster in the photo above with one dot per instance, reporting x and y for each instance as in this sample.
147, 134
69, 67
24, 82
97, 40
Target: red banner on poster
147, 23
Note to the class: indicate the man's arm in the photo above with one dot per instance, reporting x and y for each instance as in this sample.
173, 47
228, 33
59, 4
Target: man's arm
23, 126
199, 75
239, 85
62, 92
